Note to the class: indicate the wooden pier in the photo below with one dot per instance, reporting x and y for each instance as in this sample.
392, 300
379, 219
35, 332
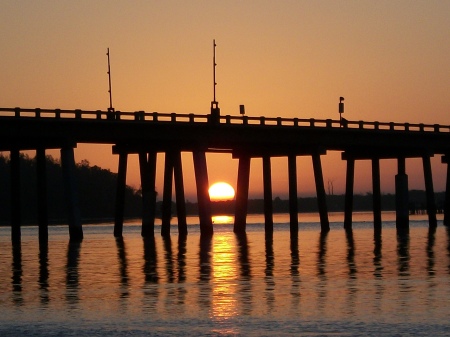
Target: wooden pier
147, 134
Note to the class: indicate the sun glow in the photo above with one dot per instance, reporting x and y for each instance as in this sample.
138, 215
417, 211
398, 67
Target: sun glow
222, 219
221, 191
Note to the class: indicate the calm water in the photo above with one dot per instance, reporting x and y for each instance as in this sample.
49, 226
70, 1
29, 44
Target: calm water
338, 285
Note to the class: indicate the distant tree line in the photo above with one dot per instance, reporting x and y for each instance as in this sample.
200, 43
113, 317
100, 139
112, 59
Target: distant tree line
97, 191
335, 203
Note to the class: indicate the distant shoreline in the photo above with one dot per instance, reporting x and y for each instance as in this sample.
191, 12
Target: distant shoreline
335, 203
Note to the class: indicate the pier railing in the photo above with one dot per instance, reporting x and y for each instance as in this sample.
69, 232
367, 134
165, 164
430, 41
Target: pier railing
157, 117
246, 137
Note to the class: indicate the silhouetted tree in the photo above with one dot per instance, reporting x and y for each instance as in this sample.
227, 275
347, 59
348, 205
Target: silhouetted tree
96, 190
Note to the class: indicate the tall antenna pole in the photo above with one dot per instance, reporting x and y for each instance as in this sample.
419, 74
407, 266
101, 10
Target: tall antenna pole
215, 111
214, 70
110, 109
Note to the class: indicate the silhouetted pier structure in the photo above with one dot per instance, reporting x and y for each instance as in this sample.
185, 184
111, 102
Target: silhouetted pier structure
147, 134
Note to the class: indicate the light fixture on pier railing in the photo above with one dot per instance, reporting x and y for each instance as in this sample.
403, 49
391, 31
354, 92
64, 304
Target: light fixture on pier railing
341, 111
242, 109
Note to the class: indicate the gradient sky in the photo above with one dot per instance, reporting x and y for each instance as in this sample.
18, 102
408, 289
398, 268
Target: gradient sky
389, 59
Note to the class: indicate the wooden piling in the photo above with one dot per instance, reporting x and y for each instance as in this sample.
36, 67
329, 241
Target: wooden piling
147, 166
376, 194
349, 183
120, 194
204, 202
71, 192
42, 203
321, 196
167, 194
143, 170
401, 198
431, 203
268, 205
179, 194
447, 192
15, 195
240, 218
293, 198
152, 157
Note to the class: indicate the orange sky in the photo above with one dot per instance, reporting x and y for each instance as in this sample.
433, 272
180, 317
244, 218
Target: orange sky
389, 59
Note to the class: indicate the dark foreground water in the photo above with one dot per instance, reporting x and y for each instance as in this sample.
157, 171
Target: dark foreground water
334, 285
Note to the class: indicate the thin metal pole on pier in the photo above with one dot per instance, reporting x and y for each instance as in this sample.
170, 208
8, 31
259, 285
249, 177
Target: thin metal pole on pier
110, 109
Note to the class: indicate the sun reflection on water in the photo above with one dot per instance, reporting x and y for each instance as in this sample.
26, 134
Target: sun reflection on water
225, 275
222, 219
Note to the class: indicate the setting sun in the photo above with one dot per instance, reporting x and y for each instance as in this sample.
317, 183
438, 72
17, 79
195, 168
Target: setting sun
221, 191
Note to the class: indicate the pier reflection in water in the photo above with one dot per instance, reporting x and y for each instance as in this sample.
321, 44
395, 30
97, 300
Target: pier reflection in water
72, 274
43, 273
226, 283
17, 273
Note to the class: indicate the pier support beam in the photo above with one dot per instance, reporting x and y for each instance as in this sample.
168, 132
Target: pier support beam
349, 183
445, 160
268, 205
15, 195
120, 194
293, 198
401, 198
240, 218
321, 196
42, 195
204, 202
179, 194
431, 203
173, 171
167, 194
147, 165
71, 191
376, 195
